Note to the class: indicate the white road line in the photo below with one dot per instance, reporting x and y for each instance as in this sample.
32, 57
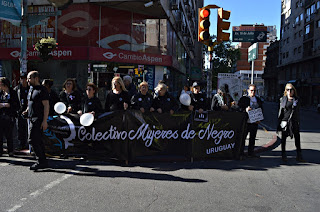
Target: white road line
44, 189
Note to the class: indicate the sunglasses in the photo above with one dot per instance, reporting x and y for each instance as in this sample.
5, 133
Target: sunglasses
289, 89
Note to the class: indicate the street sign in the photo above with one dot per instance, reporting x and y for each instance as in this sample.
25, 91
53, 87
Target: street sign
253, 52
251, 34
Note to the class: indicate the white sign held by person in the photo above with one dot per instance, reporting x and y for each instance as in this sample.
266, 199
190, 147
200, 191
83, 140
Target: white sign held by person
255, 115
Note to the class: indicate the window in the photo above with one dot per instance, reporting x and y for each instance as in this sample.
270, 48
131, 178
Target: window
284, 55
299, 49
313, 8
295, 51
318, 4
287, 40
297, 19
301, 16
287, 54
295, 35
308, 29
318, 23
300, 33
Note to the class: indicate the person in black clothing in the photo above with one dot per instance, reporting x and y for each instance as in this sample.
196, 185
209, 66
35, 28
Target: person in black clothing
37, 112
289, 120
222, 100
9, 105
164, 102
198, 100
53, 96
70, 96
127, 81
143, 100
117, 98
91, 103
247, 103
22, 91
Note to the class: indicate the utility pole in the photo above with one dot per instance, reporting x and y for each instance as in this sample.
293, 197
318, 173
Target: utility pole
23, 54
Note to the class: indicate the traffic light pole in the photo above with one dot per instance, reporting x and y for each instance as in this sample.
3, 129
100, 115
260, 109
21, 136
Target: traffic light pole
209, 76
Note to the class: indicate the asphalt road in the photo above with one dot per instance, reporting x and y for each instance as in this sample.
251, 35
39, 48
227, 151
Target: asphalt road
264, 184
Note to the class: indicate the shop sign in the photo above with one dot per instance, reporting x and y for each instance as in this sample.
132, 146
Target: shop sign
115, 55
62, 53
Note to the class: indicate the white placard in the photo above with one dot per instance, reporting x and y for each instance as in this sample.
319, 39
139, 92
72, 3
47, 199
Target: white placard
255, 115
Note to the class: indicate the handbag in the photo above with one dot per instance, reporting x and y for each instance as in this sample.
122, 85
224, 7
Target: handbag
283, 124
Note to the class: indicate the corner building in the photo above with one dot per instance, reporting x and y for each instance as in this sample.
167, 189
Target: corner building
100, 39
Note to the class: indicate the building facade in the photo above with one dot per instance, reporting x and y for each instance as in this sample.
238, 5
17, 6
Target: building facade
299, 56
149, 40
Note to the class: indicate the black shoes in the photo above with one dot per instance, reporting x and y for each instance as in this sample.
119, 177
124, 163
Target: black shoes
38, 166
253, 156
10, 154
284, 157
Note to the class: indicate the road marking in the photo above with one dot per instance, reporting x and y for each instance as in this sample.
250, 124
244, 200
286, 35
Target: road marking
44, 189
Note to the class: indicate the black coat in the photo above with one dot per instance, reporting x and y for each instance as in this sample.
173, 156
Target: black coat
141, 101
199, 101
115, 101
71, 100
244, 102
294, 119
12, 99
166, 103
92, 105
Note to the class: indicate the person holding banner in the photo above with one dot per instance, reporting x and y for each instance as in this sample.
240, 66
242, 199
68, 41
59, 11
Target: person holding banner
289, 120
143, 100
198, 100
91, 103
247, 103
117, 98
164, 102
70, 96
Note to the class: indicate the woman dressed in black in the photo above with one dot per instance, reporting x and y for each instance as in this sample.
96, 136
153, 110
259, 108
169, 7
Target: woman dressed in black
70, 96
9, 106
143, 100
53, 96
289, 120
117, 98
198, 100
164, 102
91, 103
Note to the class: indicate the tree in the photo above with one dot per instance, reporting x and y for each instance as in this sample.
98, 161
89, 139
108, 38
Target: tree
224, 60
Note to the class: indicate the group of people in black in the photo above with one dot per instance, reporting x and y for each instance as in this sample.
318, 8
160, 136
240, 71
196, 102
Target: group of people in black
31, 103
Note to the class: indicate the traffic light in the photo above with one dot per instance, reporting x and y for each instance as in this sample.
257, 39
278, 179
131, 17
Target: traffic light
223, 25
204, 24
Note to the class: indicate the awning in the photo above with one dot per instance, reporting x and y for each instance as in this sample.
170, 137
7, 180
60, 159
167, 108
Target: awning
10, 10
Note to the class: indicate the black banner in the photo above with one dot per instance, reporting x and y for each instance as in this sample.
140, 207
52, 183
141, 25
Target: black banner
131, 135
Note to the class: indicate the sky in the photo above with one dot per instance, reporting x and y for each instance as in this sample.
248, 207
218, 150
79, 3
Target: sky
267, 12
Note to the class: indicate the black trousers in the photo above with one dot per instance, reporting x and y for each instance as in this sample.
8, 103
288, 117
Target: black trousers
6, 127
35, 139
284, 136
252, 129
22, 132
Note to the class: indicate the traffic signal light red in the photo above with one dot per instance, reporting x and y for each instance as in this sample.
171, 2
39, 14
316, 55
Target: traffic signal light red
223, 25
204, 24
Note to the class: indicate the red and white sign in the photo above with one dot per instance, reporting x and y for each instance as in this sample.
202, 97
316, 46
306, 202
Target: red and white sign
121, 56
91, 53
62, 53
